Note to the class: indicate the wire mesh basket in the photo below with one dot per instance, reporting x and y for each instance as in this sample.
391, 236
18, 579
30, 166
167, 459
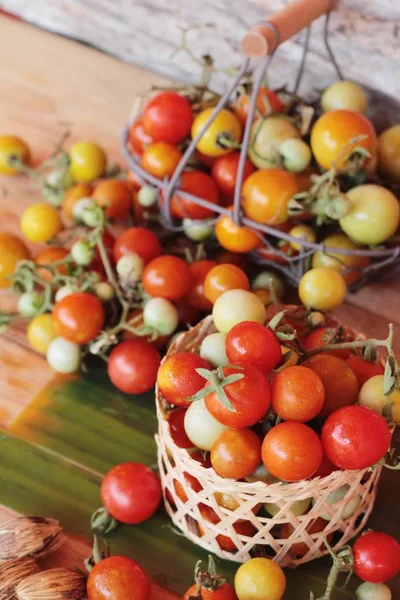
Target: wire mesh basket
261, 43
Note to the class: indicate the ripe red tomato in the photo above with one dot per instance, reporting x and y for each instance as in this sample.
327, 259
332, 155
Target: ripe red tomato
115, 196
48, 257
138, 138
315, 527
363, 369
297, 394
376, 557
325, 468
224, 172
191, 482
223, 592
291, 451
236, 453
167, 277
177, 378
249, 396
168, 118
131, 493
196, 297
355, 437
231, 258
226, 543
187, 314
133, 365
267, 102
325, 335
137, 240
118, 578
224, 277
79, 317
253, 344
198, 184
176, 427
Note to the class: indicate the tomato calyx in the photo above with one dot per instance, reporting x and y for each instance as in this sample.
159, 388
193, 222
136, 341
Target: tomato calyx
208, 580
102, 522
283, 332
100, 551
225, 140
343, 562
217, 382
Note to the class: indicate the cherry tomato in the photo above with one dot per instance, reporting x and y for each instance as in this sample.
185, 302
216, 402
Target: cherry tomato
198, 184
258, 579
389, 153
236, 453
326, 335
244, 528
355, 437
253, 344
41, 331
235, 306
137, 136
267, 102
176, 427
344, 94
376, 557
40, 222
196, 297
167, 277
133, 365
265, 138
325, 468
48, 257
115, 196
291, 451
177, 378
340, 383
118, 578
301, 548
12, 147
187, 314
222, 592
161, 159
135, 319
225, 128
190, 482
167, 118
79, 317
235, 238
137, 240
334, 130
224, 172
231, 258
72, 197
249, 397
341, 262
297, 394
88, 161
266, 194
222, 278
12, 250
303, 232
322, 288
372, 396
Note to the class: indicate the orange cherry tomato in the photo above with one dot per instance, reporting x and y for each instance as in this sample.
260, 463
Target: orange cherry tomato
190, 481
118, 578
336, 128
137, 240
222, 592
137, 136
161, 159
224, 172
267, 102
199, 184
72, 196
167, 277
115, 196
297, 394
48, 257
363, 369
235, 238
301, 548
178, 379
196, 297
225, 543
79, 317
266, 194
12, 250
236, 453
222, 278
326, 335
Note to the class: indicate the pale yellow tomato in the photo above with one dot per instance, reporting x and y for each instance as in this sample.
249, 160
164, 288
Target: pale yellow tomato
266, 137
372, 396
12, 250
340, 262
344, 94
225, 127
235, 306
41, 331
40, 222
88, 161
260, 579
12, 147
322, 289
297, 508
389, 153
303, 232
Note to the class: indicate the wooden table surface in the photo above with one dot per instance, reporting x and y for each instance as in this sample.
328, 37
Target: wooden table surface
49, 84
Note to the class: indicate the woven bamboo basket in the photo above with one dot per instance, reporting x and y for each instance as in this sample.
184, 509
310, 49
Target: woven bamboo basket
174, 463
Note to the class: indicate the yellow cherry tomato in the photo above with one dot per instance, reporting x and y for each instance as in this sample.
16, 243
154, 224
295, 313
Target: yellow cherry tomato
389, 153
344, 94
266, 137
372, 396
225, 127
303, 232
88, 161
374, 214
260, 579
10, 147
340, 262
12, 250
322, 289
41, 331
40, 222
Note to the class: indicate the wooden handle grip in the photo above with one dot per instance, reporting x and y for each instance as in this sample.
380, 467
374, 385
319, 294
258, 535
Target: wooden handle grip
261, 39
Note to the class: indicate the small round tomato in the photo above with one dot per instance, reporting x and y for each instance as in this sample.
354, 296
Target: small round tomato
325, 468
196, 297
137, 240
187, 314
118, 578
115, 196
326, 335
267, 103
258, 579
236, 453
344, 94
340, 383
372, 396
373, 591
12, 147
88, 161
265, 138
48, 257
355, 437
347, 265
178, 379
303, 232
190, 482
136, 321
201, 427
296, 155
224, 277
226, 543
253, 344
297, 394
137, 136
222, 131
224, 172
235, 306
234, 238
198, 184
222, 592
314, 529
376, 557
232, 258
176, 420
12, 250
291, 451
389, 153
72, 197
133, 365
131, 493
79, 317
167, 277
213, 350
160, 159
41, 331
363, 369
167, 118
322, 288
40, 222
63, 356
249, 396
266, 194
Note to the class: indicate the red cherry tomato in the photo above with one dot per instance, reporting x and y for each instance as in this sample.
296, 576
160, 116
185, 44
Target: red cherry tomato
326, 335
226, 543
79, 317
236, 453
118, 578
191, 482
167, 277
131, 493
363, 369
253, 344
223, 592
168, 118
177, 377
224, 172
138, 138
196, 297
297, 394
137, 240
376, 557
133, 365
355, 437
176, 427
325, 468
198, 184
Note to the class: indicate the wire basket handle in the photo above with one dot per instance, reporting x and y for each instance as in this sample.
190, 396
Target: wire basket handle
263, 38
